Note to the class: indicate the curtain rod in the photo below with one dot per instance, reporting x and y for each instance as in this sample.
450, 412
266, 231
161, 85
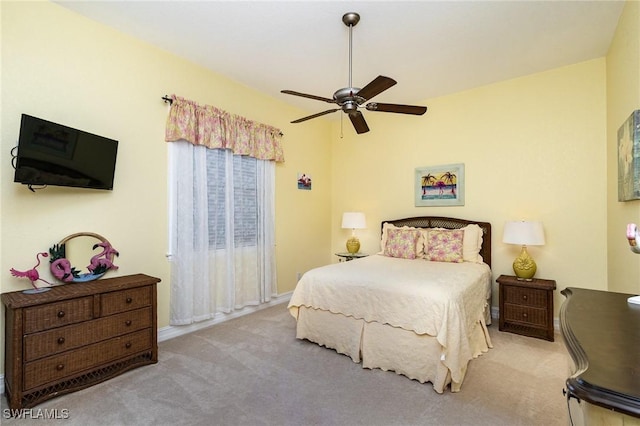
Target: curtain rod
168, 100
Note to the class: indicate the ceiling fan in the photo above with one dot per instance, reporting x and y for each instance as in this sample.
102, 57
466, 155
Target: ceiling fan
349, 99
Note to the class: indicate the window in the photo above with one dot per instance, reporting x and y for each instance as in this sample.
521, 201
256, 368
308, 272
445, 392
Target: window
222, 232
242, 202
221, 211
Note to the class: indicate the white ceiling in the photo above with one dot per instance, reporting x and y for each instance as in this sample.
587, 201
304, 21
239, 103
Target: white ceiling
432, 48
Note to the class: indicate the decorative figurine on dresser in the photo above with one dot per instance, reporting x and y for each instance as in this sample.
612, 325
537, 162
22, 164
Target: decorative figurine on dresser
79, 333
33, 276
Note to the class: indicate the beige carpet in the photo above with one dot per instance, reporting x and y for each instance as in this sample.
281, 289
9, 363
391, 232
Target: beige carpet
252, 371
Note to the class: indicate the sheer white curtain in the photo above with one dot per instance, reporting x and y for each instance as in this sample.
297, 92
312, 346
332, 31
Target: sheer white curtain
222, 231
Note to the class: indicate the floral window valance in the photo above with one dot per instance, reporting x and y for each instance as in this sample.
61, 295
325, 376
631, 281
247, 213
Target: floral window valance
217, 129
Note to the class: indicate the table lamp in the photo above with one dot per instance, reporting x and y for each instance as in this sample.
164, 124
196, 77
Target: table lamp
353, 220
524, 233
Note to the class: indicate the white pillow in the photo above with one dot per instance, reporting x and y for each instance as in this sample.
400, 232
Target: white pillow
472, 243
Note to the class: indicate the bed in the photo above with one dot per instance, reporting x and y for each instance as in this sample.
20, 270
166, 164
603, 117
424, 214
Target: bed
419, 307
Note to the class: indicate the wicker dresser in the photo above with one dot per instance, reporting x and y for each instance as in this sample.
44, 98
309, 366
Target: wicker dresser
77, 335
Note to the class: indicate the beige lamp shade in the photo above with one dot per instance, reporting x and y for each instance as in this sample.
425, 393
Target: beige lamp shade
524, 233
353, 221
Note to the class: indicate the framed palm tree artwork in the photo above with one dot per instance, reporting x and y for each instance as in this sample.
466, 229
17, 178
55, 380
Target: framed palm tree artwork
439, 185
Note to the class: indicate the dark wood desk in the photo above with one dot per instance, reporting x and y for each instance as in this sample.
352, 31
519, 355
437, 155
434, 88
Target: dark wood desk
602, 334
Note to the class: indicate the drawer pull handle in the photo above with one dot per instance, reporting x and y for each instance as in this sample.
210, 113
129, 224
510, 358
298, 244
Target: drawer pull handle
127, 323
60, 314
60, 367
525, 297
129, 300
128, 345
525, 315
60, 340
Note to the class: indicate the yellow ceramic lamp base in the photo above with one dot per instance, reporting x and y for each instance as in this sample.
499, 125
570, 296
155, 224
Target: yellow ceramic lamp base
353, 245
524, 265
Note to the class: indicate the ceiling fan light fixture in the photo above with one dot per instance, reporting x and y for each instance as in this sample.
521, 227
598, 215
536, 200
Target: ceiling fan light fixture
350, 106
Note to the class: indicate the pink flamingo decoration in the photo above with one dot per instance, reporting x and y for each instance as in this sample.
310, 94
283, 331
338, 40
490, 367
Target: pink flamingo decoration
33, 275
103, 259
61, 269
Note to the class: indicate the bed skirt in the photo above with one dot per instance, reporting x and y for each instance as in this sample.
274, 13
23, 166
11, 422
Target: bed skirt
389, 348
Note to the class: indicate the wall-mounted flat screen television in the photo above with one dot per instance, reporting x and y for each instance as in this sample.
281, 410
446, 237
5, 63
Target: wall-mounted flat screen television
53, 154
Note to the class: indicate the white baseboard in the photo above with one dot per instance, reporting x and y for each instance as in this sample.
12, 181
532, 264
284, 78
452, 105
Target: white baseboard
171, 331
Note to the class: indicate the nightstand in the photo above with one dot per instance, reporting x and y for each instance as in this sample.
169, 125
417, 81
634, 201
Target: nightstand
526, 307
345, 257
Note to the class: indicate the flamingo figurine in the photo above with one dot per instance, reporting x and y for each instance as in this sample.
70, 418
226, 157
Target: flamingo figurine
33, 276
633, 235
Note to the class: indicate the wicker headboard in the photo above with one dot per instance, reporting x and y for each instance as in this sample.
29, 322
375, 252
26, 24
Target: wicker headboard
449, 223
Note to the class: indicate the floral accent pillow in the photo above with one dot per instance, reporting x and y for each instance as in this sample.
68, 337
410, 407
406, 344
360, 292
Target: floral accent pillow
444, 245
419, 243
401, 243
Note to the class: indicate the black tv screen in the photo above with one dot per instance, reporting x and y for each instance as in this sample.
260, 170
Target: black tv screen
53, 154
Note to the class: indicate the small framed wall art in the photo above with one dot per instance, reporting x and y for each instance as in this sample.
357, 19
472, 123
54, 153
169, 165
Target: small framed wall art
439, 185
304, 181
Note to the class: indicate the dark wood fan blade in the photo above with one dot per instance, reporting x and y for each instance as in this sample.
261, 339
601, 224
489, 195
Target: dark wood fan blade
358, 121
377, 86
397, 108
329, 111
305, 95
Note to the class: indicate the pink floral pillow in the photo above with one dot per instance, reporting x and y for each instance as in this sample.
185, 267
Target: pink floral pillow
401, 243
445, 245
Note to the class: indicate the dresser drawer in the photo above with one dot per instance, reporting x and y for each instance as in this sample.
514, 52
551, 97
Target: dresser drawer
51, 342
57, 314
125, 300
525, 315
56, 367
525, 296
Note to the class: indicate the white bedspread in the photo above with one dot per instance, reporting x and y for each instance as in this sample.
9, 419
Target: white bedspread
440, 299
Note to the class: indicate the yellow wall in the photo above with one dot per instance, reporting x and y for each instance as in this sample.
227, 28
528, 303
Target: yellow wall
533, 148
60, 66
623, 97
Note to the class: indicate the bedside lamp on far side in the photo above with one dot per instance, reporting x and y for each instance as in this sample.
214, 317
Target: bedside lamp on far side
525, 234
353, 221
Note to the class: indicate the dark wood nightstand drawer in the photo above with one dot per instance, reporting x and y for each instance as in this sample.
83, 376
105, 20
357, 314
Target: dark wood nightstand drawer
525, 315
525, 296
